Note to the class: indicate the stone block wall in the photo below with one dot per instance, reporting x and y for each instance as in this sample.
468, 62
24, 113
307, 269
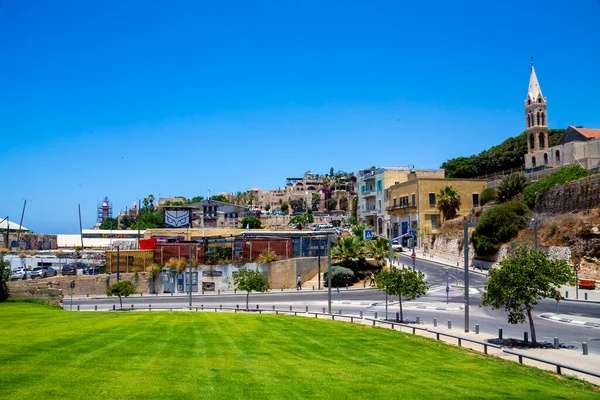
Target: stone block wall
568, 197
51, 296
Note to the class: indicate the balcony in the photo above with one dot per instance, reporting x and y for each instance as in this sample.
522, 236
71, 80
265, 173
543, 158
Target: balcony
369, 193
370, 210
401, 207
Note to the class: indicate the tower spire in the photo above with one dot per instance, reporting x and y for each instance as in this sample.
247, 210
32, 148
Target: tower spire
535, 91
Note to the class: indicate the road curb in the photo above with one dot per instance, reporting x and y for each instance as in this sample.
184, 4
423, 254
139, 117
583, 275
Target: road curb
448, 265
569, 320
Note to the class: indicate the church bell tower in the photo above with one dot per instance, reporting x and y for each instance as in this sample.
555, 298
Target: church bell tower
535, 115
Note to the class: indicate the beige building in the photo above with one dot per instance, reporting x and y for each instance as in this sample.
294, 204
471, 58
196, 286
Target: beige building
372, 184
413, 204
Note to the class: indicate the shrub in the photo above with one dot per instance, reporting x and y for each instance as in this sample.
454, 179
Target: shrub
488, 195
250, 222
498, 225
340, 276
563, 175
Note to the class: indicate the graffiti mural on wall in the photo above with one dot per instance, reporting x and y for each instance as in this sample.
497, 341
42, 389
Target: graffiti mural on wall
29, 241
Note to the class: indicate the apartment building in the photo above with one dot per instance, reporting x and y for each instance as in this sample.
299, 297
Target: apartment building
413, 204
372, 184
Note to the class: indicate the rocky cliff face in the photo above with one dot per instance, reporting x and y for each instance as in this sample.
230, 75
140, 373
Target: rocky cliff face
583, 194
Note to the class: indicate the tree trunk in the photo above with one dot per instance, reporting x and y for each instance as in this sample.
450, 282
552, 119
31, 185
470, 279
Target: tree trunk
121, 301
247, 300
531, 327
400, 302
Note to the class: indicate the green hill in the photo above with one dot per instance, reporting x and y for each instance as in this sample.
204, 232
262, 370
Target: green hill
506, 155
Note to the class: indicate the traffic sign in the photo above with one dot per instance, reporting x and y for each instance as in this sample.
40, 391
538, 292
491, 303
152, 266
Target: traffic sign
413, 256
72, 284
578, 267
368, 234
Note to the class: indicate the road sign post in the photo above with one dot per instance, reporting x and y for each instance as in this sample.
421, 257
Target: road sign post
577, 281
466, 226
72, 286
368, 234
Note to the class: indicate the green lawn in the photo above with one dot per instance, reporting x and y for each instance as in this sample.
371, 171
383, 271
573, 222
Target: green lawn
49, 353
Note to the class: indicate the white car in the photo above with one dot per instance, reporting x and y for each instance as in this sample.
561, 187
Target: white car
20, 273
397, 246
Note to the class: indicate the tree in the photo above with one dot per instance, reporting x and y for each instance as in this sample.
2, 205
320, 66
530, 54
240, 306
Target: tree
125, 222
522, 280
196, 199
498, 225
355, 208
220, 197
4, 277
148, 220
331, 204
379, 249
78, 250
297, 205
562, 175
251, 222
110, 224
349, 251
511, 185
121, 289
340, 276
344, 203
298, 220
267, 207
250, 280
285, 208
316, 200
402, 282
448, 202
359, 230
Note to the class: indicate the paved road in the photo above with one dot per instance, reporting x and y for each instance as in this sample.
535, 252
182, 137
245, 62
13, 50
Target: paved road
371, 301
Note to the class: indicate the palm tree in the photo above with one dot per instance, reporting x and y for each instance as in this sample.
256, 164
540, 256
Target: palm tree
252, 197
151, 200
511, 185
379, 249
448, 202
349, 251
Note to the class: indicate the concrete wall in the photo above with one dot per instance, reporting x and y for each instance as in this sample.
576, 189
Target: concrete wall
568, 197
282, 274
84, 284
53, 297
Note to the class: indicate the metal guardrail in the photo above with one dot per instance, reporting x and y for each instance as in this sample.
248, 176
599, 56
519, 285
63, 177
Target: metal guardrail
559, 366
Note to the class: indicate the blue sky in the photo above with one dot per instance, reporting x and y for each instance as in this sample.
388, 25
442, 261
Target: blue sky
100, 98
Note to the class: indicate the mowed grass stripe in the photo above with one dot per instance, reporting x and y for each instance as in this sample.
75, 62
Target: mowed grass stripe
184, 355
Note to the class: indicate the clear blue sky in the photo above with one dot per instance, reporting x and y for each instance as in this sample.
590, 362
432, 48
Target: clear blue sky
101, 98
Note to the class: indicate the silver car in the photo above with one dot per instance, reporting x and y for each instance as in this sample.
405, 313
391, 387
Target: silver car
42, 272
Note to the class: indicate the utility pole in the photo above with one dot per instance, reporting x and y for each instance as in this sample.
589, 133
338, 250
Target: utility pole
139, 214
80, 228
329, 273
190, 279
466, 226
21, 223
118, 263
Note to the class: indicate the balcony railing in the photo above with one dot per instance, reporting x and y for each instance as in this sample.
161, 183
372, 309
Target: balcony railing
400, 207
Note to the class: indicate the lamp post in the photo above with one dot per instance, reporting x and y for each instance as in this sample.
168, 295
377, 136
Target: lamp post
466, 225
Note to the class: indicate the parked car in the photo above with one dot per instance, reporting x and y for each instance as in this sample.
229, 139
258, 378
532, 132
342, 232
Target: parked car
93, 271
20, 273
71, 269
397, 246
42, 272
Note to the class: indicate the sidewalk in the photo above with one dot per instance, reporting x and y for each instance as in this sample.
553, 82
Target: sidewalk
568, 319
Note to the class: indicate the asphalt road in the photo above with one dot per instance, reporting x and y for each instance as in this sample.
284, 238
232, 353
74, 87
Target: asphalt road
352, 302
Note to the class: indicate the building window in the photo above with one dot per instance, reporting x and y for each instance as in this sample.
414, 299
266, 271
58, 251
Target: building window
394, 202
379, 185
434, 221
546, 158
475, 200
414, 199
432, 199
557, 156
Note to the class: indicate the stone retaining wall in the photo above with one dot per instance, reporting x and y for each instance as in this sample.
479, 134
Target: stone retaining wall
53, 297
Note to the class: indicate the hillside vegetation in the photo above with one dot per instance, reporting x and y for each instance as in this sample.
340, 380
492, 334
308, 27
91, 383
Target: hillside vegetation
508, 154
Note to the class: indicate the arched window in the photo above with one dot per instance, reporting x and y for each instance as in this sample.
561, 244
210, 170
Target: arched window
538, 118
557, 156
543, 118
539, 99
533, 161
528, 121
546, 158
542, 140
528, 101
380, 226
531, 142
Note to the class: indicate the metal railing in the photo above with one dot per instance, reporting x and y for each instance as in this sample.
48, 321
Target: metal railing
559, 366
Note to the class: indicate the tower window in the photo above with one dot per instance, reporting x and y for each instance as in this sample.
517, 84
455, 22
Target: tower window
557, 156
538, 118
528, 120
539, 99
543, 119
542, 141
528, 101
546, 158
531, 142
533, 161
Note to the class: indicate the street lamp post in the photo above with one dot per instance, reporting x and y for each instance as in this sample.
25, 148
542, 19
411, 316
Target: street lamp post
466, 225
